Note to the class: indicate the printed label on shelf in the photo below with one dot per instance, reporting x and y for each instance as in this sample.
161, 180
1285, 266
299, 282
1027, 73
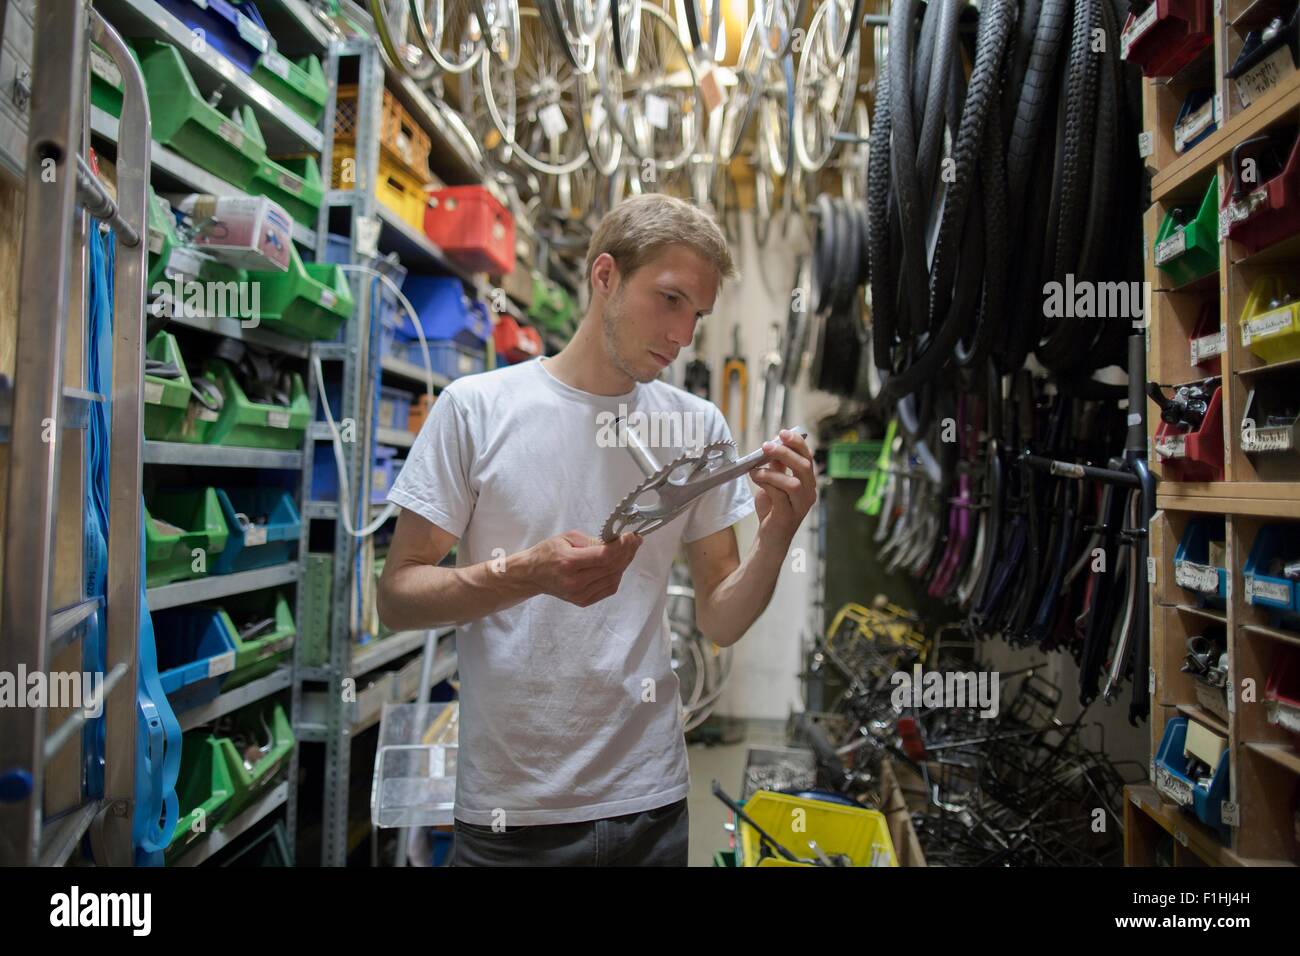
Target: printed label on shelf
185, 261
208, 415
553, 122
1208, 346
255, 535
1146, 144
276, 64
1172, 446
1171, 247
231, 133
1230, 813
277, 419
1140, 26
1151, 570
1267, 439
1196, 577
153, 392
1193, 126
1279, 592
1225, 221
1270, 323
156, 240
252, 34
102, 65
1250, 588
1258, 80
328, 298
656, 111
291, 184
221, 664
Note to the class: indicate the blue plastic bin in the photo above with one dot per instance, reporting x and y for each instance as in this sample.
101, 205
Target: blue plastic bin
263, 545
445, 312
325, 476
394, 405
236, 32
338, 249
1265, 585
195, 653
1192, 569
447, 358
382, 473
1172, 780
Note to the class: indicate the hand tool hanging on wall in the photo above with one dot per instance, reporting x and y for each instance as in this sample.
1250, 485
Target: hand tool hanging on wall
698, 378
735, 379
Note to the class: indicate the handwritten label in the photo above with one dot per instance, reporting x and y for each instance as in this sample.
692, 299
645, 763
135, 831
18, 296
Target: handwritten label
1270, 323
1193, 126
276, 64
1171, 446
1208, 346
1273, 592
1261, 78
1267, 439
277, 419
1146, 144
1196, 577
1171, 247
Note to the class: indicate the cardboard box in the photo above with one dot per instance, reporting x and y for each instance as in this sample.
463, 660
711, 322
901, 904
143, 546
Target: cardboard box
243, 232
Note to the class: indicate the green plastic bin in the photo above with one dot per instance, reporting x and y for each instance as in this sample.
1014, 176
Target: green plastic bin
314, 628
230, 147
250, 424
307, 301
293, 183
852, 459
1188, 252
252, 776
298, 85
162, 238
169, 555
106, 88
552, 307
204, 790
165, 399
268, 848
263, 652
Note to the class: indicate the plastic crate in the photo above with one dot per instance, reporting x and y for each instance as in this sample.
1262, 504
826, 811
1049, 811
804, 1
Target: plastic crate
395, 188
861, 834
262, 651
471, 226
252, 777
196, 649
852, 460
1172, 780
414, 782
551, 307
1269, 212
293, 183
382, 473
1270, 325
1266, 585
299, 85
402, 141
394, 407
1282, 692
308, 301
338, 249
231, 148
1191, 251
317, 605
1167, 35
515, 342
249, 424
162, 239
237, 32
169, 555
1195, 120
325, 480
449, 359
165, 399
268, 536
1192, 568
203, 789
1195, 455
443, 309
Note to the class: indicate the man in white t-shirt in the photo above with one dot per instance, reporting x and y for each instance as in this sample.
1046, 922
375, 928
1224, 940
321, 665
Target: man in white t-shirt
571, 743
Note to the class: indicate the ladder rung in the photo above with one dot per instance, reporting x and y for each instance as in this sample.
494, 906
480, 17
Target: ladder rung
69, 728
65, 623
60, 836
74, 411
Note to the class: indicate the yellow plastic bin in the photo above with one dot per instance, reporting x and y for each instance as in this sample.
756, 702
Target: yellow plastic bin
860, 834
1270, 323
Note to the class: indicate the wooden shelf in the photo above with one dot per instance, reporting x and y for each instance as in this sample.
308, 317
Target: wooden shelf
1202, 716
1209, 614
1248, 498
1282, 754
1184, 828
1272, 633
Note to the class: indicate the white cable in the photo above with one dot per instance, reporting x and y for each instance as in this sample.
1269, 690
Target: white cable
345, 494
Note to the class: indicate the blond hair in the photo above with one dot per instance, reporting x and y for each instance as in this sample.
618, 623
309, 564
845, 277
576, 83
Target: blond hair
635, 230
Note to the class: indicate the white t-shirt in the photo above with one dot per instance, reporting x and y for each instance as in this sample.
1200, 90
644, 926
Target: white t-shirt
567, 713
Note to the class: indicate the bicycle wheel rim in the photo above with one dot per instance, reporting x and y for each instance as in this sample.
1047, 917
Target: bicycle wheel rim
394, 48
813, 157
431, 40
604, 142
736, 119
577, 49
625, 16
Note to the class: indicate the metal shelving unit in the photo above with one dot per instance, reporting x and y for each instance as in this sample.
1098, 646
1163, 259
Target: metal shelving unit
232, 700
220, 839
216, 586
219, 456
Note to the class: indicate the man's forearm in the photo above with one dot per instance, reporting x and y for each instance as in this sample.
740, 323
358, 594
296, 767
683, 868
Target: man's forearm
742, 596
421, 596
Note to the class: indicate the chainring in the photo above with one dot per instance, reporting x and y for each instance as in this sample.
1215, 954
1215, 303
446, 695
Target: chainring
627, 515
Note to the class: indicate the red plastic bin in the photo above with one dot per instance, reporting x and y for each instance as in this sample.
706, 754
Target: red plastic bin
1167, 35
473, 228
1269, 213
1194, 456
1282, 693
518, 343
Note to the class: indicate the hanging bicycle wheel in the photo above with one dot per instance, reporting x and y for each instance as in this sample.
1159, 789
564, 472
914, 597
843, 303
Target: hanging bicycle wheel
776, 112
663, 91
447, 31
703, 20
764, 199
780, 19
625, 21
604, 143
499, 19
738, 112
498, 140
853, 160
824, 93
547, 129
589, 16
401, 33
565, 31
842, 21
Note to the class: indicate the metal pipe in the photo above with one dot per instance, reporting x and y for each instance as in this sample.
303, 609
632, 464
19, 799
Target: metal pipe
95, 199
640, 454
1067, 469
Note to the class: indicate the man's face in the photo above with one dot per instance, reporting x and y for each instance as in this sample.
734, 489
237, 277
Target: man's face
652, 314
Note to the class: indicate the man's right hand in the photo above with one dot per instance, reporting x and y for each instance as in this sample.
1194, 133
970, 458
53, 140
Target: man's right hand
578, 568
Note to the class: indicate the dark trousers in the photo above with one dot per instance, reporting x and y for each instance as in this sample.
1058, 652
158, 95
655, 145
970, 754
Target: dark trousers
651, 838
